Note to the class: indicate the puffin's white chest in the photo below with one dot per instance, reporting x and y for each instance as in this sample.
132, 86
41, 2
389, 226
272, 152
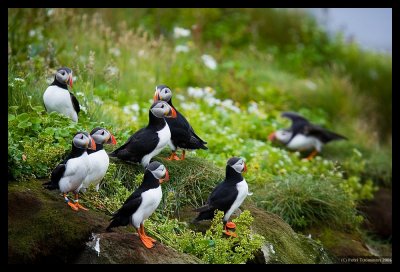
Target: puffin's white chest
150, 201
59, 100
76, 170
243, 190
301, 142
98, 166
164, 136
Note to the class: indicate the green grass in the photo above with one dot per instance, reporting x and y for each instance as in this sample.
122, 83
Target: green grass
261, 71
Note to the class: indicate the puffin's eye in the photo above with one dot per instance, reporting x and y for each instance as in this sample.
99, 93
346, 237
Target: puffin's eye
162, 106
102, 133
81, 137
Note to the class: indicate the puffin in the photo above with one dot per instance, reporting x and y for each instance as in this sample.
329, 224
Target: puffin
70, 173
98, 159
142, 202
150, 140
58, 98
303, 135
182, 133
227, 196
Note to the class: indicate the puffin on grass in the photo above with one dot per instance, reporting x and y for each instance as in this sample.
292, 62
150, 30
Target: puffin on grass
58, 98
227, 196
98, 159
182, 133
150, 140
70, 173
303, 136
142, 202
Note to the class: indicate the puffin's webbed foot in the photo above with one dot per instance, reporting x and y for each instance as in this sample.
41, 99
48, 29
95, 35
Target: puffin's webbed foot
173, 157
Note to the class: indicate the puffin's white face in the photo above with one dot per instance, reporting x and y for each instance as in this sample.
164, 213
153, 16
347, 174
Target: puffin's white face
159, 171
64, 75
103, 136
162, 93
84, 141
283, 136
161, 109
240, 166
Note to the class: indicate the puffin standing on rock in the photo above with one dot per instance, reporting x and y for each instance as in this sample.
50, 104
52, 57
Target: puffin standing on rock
70, 173
98, 159
303, 135
227, 196
148, 141
58, 98
142, 202
182, 133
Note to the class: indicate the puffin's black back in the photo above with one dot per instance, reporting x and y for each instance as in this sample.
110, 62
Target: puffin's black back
182, 133
223, 196
122, 216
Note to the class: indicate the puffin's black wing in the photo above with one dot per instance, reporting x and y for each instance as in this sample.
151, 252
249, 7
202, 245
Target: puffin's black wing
182, 133
221, 198
323, 134
75, 102
56, 175
139, 144
298, 123
130, 206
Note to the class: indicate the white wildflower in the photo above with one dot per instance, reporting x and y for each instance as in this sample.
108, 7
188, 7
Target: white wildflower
253, 107
195, 92
19, 79
74, 78
80, 94
181, 32
309, 236
209, 61
180, 97
32, 33
112, 70
141, 53
83, 108
311, 85
97, 100
50, 12
181, 48
114, 51
134, 118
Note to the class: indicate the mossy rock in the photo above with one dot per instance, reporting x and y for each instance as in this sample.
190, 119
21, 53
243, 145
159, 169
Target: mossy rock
43, 229
283, 244
341, 244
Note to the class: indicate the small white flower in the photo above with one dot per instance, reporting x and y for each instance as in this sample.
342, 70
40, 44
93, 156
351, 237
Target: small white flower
181, 48
80, 94
83, 108
97, 100
311, 85
309, 236
50, 12
141, 53
134, 118
114, 51
112, 70
180, 97
32, 33
209, 61
19, 79
181, 32
29, 97
74, 78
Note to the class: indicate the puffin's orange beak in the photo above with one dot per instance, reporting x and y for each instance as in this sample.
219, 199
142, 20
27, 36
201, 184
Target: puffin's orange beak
70, 81
92, 144
112, 140
245, 168
272, 136
156, 96
166, 178
173, 112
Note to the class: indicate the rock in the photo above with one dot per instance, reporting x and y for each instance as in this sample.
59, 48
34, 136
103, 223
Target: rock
123, 247
341, 244
43, 229
378, 213
283, 244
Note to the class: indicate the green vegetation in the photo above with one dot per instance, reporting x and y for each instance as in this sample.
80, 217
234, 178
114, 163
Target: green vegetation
267, 61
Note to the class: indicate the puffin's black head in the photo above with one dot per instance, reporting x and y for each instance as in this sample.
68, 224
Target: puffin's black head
102, 136
161, 109
158, 170
64, 76
237, 164
83, 140
162, 93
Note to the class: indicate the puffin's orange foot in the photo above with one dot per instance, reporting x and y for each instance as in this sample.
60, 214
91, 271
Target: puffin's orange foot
173, 157
81, 207
146, 241
151, 239
72, 205
227, 232
312, 155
